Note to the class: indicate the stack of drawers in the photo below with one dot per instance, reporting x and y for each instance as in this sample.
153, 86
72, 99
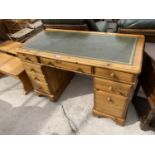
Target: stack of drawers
34, 71
111, 93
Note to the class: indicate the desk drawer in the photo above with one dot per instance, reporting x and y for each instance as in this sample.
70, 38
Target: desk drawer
36, 77
112, 87
114, 75
28, 58
110, 104
33, 68
67, 65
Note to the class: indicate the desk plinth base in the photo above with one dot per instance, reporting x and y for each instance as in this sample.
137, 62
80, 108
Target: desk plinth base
119, 121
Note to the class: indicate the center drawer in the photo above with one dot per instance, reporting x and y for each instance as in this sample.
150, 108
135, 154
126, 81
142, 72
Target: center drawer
110, 104
67, 65
112, 87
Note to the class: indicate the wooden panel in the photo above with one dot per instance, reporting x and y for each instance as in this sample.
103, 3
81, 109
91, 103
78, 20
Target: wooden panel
114, 75
67, 65
57, 79
110, 104
28, 58
33, 68
112, 87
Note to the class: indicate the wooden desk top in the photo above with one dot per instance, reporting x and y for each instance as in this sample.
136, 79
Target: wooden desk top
117, 51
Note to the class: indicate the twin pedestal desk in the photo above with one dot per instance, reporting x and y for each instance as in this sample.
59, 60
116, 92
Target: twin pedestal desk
114, 60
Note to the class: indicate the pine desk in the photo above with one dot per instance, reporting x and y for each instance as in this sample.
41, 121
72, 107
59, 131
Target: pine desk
114, 61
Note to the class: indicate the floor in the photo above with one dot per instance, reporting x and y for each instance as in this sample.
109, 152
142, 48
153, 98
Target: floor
32, 115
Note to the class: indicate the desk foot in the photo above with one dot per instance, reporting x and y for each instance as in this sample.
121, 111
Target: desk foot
119, 121
38, 94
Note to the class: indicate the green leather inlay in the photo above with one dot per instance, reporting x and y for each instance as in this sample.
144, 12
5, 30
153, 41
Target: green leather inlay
106, 47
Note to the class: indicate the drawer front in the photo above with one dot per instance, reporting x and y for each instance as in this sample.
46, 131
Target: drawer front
36, 77
112, 87
41, 87
28, 58
33, 68
110, 104
114, 75
67, 65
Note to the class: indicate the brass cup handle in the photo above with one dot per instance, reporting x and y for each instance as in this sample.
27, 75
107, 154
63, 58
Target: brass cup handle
109, 99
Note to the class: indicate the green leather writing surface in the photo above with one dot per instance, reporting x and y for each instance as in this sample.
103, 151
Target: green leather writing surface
106, 47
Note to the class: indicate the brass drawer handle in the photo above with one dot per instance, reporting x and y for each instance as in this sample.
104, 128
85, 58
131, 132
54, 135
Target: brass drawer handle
109, 99
112, 75
110, 88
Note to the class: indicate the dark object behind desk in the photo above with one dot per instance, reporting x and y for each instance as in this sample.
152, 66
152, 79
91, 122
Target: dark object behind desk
138, 26
146, 107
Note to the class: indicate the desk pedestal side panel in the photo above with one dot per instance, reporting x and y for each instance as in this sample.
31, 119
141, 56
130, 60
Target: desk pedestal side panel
57, 80
111, 99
